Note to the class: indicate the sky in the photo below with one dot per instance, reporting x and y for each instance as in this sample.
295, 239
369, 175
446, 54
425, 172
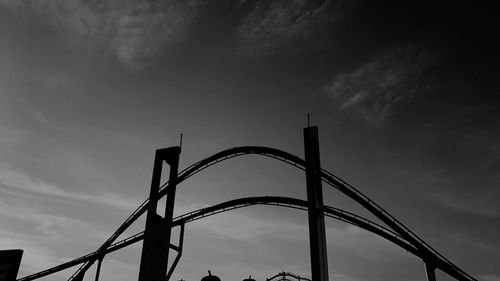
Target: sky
404, 94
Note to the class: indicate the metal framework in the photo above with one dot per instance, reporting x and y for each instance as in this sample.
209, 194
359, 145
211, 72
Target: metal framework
395, 231
285, 202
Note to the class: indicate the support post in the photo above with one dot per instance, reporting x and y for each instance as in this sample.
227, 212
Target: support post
430, 271
79, 276
156, 245
98, 270
179, 253
317, 234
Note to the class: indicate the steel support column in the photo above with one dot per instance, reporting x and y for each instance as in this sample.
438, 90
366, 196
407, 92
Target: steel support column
79, 276
156, 245
430, 271
98, 270
179, 252
317, 235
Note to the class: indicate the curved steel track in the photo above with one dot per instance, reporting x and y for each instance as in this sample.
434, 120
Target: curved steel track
237, 204
423, 250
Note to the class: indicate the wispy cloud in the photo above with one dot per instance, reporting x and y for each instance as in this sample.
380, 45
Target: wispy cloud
47, 239
278, 25
46, 226
137, 32
132, 31
41, 234
26, 184
144, 30
373, 89
36, 257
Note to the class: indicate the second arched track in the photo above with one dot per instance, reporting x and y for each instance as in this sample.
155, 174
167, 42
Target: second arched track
237, 204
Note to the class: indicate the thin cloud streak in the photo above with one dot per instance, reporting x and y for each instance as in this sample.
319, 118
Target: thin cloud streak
25, 183
372, 90
144, 31
36, 257
46, 225
34, 228
274, 26
132, 31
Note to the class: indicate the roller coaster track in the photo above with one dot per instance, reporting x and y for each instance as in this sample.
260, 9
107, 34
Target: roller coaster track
425, 251
237, 204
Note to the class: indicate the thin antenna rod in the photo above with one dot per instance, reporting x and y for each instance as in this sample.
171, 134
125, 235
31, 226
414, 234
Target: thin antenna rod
308, 121
180, 143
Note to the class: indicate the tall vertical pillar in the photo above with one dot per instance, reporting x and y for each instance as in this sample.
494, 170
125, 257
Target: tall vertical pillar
317, 234
98, 270
156, 244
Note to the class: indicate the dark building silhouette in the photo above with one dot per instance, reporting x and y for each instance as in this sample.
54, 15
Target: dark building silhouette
9, 264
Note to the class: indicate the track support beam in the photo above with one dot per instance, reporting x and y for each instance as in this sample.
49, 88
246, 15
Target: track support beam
98, 270
317, 234
430, 271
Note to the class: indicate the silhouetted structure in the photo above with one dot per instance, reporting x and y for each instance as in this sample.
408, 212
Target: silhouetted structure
9, 264
155, 249
158, 229
317, 234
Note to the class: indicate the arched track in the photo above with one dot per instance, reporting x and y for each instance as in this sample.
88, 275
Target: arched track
236, 204
425, 251
430, 254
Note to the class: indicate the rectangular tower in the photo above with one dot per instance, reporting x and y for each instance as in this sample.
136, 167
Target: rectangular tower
317, 234
156, 245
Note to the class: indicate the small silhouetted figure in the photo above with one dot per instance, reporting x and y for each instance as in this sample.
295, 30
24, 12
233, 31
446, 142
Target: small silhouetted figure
210, 277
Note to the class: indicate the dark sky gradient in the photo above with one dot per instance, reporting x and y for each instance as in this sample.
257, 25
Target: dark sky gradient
405, 95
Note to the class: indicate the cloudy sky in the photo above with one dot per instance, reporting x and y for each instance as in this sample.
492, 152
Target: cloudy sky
405, 96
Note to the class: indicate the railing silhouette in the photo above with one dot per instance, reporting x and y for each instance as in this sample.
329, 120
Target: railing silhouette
285, 276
